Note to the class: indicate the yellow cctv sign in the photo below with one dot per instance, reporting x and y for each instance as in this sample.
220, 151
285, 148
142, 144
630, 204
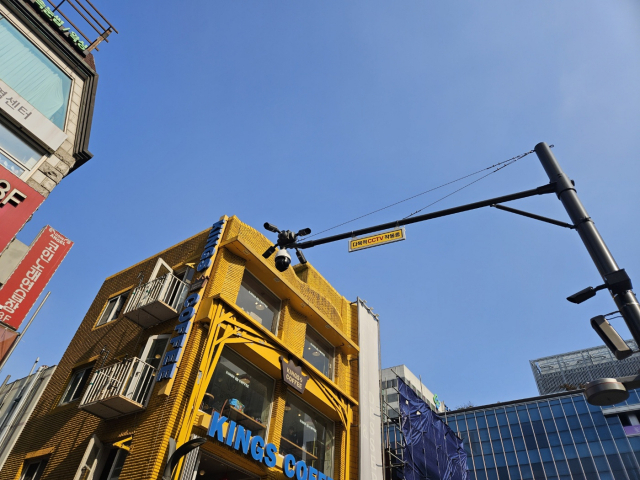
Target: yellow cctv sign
396, 235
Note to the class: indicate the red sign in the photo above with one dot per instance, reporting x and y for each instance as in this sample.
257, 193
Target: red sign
7, 337
18, 201
27, 282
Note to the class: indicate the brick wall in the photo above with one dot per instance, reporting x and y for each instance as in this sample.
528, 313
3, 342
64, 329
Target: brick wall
67, 429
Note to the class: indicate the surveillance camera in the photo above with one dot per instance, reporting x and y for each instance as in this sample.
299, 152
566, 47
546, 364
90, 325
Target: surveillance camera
283, 260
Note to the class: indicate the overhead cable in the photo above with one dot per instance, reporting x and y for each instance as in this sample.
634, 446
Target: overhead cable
500, 165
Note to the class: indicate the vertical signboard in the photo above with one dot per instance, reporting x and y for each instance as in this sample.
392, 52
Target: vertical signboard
28, 280
18, 201
370, 418
7, 337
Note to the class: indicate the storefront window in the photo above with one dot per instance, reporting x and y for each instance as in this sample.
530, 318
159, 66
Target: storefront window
32, 75
16, 154
259, 303
241, 392
307, 435
318, 352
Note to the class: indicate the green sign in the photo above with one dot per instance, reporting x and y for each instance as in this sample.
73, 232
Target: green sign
48, 14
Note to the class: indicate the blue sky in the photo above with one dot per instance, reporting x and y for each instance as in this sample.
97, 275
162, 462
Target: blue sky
310, 113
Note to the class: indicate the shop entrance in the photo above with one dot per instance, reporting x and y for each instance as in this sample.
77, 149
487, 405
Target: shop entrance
213, 468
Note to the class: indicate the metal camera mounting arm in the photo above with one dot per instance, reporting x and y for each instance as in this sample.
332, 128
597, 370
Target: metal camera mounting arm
615, 279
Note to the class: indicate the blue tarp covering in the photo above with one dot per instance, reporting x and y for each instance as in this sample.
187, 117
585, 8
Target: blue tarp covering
432, 450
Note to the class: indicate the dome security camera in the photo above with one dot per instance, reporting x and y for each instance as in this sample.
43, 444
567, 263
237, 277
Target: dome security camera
283, 260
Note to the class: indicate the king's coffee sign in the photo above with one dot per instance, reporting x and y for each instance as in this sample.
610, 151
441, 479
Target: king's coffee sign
18, 201
292, 375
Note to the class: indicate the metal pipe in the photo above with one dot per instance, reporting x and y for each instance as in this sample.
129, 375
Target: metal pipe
550, 188
534, 216
598, 250
24, 330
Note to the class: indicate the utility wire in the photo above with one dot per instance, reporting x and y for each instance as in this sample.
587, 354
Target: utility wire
505, 164
499, 164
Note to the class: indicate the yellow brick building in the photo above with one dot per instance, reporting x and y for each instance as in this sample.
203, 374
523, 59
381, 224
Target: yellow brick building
202, 330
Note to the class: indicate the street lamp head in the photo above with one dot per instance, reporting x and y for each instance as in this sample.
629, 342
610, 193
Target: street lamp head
605, 391
582, 295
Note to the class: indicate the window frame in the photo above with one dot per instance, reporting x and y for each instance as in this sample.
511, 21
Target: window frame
74, 373
332, 363
271, 394
120, 453
116, 312
26, 171
42, 464
44, 51
276, 316
298, 398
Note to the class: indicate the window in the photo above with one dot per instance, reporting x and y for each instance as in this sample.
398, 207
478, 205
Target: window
32, 75
258, 301
76, 385
154, 349
113, 309
33, 469
89, 464
241, 392
114, 464
318, 352
307, 435
16, 154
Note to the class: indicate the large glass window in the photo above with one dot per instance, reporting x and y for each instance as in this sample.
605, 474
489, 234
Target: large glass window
32, 75
16, 154
241, 392
258, 301
318, 352
307, 435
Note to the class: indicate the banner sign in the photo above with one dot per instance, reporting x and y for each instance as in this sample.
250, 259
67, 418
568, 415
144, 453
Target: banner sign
239, 438
369, 388
28, 280
376, 240
7, 337
18, 201
172, 357
292, 375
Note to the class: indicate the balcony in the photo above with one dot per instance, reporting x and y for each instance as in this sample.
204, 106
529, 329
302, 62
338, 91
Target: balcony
156, 301
119, 389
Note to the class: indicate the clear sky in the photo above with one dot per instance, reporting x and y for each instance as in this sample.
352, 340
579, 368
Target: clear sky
309, 113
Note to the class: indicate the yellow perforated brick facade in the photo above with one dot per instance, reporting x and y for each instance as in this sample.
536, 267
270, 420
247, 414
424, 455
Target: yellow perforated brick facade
123, 422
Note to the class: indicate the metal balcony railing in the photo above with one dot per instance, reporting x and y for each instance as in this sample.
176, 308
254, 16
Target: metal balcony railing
156, 301
119, 389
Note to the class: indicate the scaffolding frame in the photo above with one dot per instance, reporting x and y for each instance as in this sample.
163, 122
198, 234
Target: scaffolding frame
393, 442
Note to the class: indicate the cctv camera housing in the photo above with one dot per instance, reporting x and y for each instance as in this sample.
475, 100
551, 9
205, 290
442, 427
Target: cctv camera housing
283, 260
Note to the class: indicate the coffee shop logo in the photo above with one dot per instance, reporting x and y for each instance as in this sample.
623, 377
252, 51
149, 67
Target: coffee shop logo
292, 375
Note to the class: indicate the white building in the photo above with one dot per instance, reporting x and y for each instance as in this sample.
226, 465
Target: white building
389, 378
18, 399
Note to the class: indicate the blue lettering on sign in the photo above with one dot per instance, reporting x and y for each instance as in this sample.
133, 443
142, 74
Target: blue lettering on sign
172, 357
289, 466
259, 450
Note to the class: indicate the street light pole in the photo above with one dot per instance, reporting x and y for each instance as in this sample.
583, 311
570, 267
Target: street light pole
616, 280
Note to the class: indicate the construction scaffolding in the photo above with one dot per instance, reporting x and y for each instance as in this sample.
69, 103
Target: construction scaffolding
571, 371
418, 445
